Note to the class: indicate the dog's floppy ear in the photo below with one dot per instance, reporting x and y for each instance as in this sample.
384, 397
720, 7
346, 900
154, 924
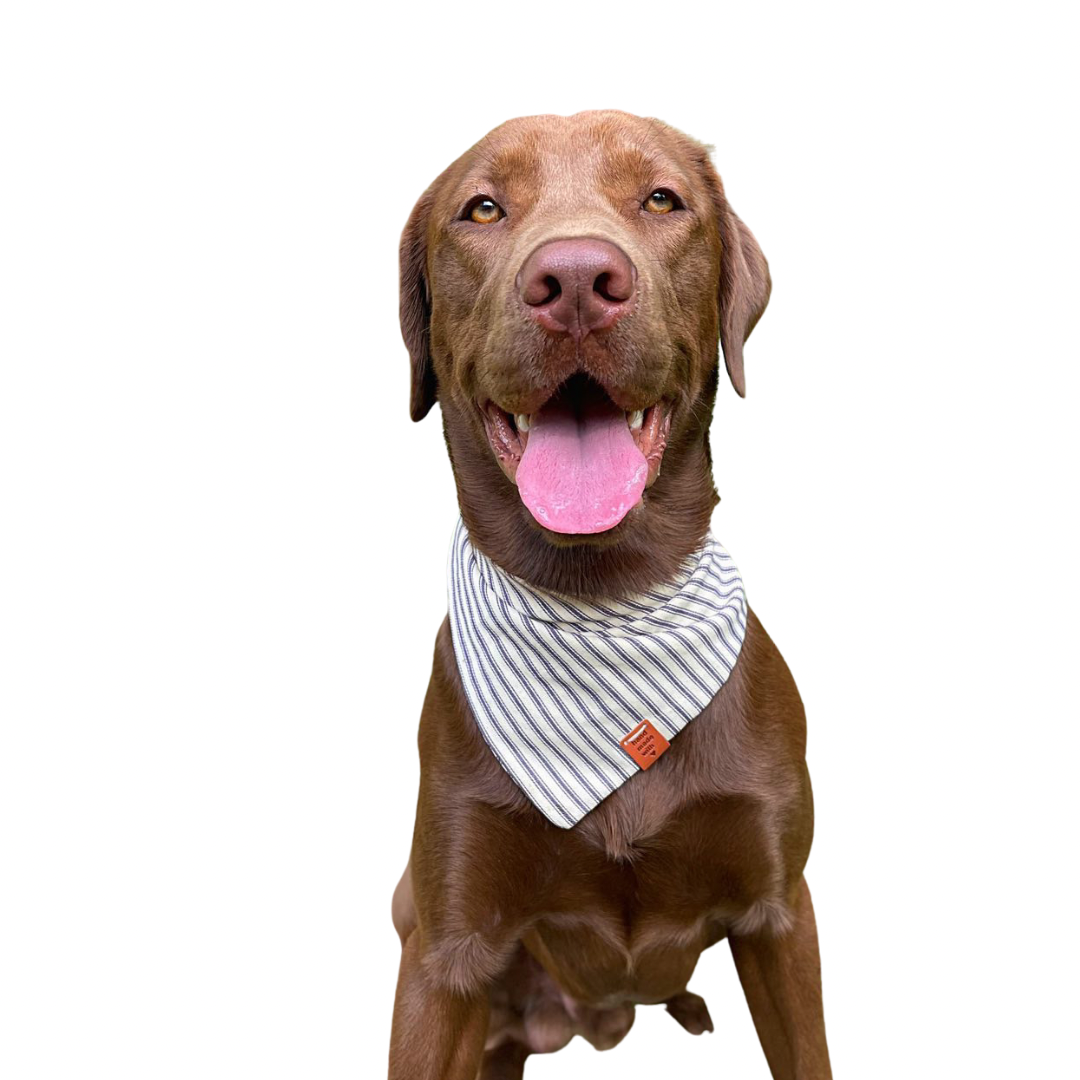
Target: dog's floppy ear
415, 306
744, 278
744, 292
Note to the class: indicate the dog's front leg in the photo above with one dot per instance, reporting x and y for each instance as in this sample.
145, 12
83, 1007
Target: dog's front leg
438, 1032
781, 977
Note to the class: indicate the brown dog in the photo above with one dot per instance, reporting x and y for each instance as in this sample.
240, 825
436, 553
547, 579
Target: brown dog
594, 255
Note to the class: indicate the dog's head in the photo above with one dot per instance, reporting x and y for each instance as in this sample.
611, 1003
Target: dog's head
564, 288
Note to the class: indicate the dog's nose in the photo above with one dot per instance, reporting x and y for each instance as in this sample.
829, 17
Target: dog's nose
578, 285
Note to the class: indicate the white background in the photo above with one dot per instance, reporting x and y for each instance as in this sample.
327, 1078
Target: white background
223, 540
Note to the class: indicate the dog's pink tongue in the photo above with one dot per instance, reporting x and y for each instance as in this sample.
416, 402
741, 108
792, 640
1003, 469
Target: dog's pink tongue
581, 471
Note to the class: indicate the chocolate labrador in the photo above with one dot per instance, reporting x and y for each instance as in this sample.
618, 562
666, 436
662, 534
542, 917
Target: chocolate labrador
591, 266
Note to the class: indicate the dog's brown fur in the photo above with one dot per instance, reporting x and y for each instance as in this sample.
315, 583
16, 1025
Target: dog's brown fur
516, 934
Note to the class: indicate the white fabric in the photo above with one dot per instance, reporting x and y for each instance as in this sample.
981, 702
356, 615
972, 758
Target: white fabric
555, 683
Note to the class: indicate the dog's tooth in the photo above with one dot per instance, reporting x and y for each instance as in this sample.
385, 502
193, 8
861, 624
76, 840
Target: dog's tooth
635, 419
522, 422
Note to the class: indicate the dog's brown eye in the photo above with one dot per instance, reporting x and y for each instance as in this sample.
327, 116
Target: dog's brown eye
485, 212
660, 202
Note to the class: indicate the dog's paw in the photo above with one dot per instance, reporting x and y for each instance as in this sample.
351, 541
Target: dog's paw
691, 1011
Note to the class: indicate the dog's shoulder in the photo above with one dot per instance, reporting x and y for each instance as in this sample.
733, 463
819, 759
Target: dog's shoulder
457, 766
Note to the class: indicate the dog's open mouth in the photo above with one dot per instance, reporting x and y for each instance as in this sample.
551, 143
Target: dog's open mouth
580, 461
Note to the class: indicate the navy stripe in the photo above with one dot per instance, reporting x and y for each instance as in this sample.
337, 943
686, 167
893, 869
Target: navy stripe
604, 740
485, 711
523, 656
538, 729
524, 771
553, 646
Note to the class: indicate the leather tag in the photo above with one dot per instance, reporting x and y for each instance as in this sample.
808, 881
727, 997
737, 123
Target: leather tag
645, 744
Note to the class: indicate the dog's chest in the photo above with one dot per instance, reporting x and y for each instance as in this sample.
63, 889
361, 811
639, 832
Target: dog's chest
632, 927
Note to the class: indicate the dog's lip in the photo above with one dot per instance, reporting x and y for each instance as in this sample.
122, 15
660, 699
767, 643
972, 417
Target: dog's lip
506, 441
508, 435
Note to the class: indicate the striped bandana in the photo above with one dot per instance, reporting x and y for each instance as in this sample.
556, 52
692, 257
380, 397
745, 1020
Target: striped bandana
574, 698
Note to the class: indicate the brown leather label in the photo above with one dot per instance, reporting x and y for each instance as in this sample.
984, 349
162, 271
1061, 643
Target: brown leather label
645, 744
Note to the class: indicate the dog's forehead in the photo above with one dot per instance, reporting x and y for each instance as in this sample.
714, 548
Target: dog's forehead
539, 154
